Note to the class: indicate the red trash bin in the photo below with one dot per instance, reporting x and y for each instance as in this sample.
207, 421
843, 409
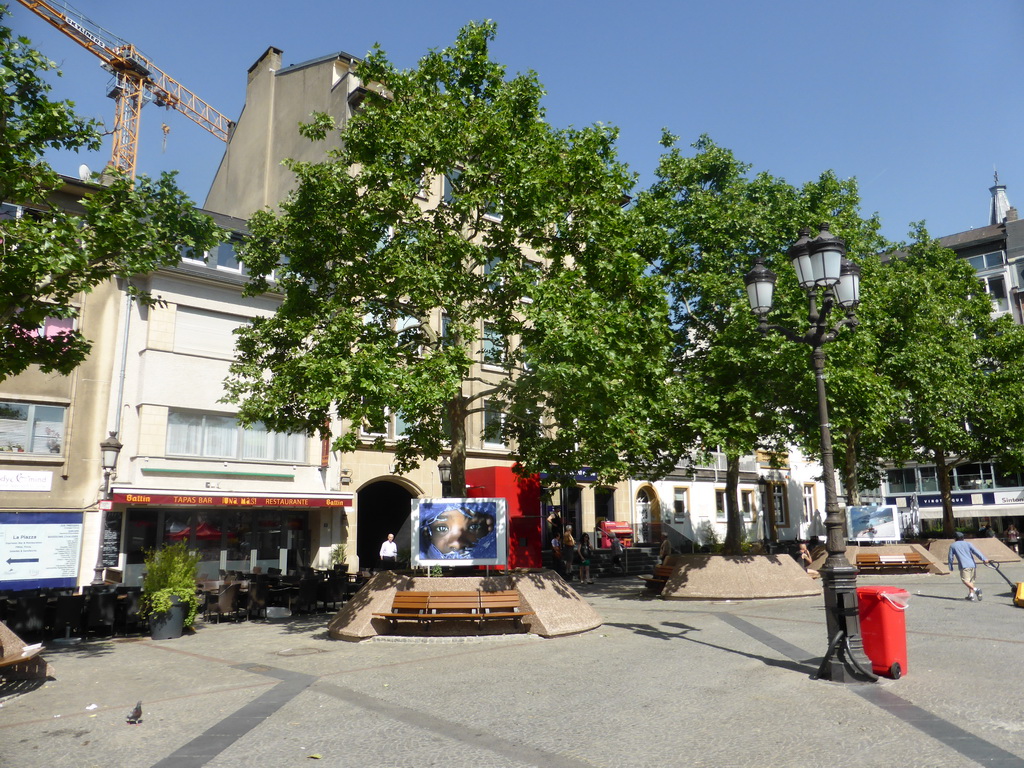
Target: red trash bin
883, 628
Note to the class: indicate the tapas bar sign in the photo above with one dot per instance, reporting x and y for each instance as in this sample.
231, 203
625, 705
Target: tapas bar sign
219, 500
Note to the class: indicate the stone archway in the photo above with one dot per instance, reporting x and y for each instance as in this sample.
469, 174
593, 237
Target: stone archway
383, 508
647, 515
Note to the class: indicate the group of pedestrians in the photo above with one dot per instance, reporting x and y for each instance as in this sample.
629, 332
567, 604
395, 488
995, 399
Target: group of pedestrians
568, 551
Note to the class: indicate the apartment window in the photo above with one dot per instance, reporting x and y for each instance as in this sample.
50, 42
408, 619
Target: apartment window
747, 505
780, 505
973, 477
1007, 479
493, 345
493, 212
226, 258
680, 502
901, 480
995, 287
207, 334
450, 185
720, 513
410, 333
489, 269
31, 428
388, 426
402, 425
986, 261
494, 420
809, 505
191, 255
219, 436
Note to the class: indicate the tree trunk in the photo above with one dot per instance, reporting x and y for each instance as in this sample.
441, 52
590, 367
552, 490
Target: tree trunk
734, 518
942, 469
457, 417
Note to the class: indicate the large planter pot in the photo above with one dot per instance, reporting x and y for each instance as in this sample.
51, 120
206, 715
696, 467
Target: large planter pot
170, 624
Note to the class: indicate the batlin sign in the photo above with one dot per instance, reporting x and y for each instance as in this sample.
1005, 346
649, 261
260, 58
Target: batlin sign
206, 500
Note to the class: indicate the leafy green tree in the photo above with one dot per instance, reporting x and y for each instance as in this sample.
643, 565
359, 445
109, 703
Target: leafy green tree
459, 257
715, 219
861, 400
51, 255
957, 373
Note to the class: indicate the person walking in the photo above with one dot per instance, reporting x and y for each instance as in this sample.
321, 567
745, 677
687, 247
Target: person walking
388, 553
1012, 537
965, 553
568, 551
586, 555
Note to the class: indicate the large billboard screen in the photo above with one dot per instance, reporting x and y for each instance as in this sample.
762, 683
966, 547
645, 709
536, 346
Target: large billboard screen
873, 523
456, 532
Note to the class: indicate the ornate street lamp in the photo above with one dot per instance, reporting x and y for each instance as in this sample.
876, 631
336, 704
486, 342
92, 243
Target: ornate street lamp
823, 271
444, 472
109, 451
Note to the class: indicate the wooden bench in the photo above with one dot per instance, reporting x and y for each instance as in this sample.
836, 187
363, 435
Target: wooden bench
655, 582
477, 605
869, 561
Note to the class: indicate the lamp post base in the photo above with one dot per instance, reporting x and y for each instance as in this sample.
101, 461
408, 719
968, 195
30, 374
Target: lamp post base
845, 660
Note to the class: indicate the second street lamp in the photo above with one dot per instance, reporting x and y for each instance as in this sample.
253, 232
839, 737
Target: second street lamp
823, 270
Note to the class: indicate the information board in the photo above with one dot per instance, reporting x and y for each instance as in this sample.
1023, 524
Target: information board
39, 549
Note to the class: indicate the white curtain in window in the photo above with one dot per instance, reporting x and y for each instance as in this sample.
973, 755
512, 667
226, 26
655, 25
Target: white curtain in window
184, 434
220, 436
255, 444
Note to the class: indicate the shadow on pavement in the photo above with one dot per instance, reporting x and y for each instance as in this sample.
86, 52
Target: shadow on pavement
683, 633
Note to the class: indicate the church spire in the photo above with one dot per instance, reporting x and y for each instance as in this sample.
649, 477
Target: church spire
1000, 204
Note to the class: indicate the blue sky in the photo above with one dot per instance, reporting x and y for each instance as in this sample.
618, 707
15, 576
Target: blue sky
916, 98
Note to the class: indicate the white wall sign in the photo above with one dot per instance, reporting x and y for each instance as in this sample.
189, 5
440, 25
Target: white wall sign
25, 480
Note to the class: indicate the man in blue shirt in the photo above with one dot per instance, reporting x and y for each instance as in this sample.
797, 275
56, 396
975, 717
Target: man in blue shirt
965, 553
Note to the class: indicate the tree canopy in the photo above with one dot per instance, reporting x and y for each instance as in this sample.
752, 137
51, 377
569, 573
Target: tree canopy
459, 258
50, 255
956, 373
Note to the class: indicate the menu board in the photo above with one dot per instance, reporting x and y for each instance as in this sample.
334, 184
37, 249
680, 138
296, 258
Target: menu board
40, 549
111, 540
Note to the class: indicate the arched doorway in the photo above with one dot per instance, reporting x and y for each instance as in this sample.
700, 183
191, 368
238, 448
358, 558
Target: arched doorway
648, 515
384, 508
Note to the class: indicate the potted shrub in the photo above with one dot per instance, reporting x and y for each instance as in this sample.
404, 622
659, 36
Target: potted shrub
339, 553
169, 598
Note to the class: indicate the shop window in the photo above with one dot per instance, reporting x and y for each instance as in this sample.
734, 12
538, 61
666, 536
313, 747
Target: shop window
31, 428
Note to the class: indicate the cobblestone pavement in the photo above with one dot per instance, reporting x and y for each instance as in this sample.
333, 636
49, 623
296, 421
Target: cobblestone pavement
661, 683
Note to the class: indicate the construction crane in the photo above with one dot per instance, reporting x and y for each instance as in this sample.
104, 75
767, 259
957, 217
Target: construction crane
135, 77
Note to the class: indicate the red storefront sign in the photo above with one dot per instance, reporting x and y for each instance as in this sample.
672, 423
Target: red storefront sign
219, 500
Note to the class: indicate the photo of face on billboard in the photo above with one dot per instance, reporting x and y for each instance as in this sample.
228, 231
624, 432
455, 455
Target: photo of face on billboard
459, 531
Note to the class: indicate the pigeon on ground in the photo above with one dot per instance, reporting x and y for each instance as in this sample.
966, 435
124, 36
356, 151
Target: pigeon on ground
135, 716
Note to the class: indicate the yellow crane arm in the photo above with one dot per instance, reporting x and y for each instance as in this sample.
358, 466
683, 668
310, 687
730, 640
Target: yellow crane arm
134, 73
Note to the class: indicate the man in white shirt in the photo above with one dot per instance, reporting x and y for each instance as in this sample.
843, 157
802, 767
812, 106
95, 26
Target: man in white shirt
388, 553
